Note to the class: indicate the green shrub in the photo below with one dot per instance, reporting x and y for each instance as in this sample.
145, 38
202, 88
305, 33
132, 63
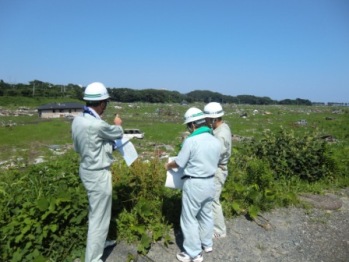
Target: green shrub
307, 157
140, 192
45, 212
251, 188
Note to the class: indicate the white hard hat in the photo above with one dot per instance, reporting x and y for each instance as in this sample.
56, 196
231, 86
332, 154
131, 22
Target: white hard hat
213, 110
96, 91
193, 114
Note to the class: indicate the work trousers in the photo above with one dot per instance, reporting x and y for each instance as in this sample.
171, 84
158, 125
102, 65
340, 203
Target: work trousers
98, 185
219, 221
196, 216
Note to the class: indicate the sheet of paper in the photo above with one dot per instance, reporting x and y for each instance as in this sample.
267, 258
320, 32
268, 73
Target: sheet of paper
127, 150
173, 177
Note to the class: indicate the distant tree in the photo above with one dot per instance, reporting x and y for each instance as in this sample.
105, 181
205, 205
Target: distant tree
267, 101
229, 99
26, 92
247, 99
297, 101
12, 92
4, 86
154, 96
286, 102
205, 96
39, 88
124, 95
303, 102
175, 97
74, 91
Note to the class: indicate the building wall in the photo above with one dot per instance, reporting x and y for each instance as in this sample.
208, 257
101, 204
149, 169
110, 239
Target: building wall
57, 113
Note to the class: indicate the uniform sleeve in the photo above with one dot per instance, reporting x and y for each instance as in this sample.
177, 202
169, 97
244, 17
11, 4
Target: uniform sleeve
110, 132
183, 155
224, 146
225, 139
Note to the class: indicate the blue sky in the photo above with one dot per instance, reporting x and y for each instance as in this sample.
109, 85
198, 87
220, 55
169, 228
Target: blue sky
275, 48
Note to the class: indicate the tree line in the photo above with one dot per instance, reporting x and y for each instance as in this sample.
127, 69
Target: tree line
38, 88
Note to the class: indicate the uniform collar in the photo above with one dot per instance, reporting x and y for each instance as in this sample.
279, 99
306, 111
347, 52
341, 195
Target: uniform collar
91, 111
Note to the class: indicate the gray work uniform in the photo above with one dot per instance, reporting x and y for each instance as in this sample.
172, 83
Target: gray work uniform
93, 140
223, 133
199, 157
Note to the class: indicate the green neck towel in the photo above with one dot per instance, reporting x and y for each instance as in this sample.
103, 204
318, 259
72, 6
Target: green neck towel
201, 130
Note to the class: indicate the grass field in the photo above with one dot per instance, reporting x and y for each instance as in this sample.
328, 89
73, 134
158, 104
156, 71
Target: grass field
162, 124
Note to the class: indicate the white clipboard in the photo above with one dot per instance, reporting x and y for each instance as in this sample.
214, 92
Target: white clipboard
174, 177
127, 150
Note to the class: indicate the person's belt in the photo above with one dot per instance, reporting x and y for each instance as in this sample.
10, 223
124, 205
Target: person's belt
196, 177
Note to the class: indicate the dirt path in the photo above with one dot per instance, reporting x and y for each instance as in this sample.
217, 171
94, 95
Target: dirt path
288, 235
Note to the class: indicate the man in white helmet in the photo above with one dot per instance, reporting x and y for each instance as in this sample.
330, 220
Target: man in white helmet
221, 130
199, 158
93, 140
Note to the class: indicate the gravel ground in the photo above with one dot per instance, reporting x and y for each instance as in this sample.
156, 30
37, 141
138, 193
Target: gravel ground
318, 234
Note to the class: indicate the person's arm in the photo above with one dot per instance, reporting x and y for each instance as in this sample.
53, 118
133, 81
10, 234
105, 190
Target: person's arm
171, 165
183, 157
110, 132
117, 120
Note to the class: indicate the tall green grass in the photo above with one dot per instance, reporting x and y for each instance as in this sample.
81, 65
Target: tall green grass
13, 102
33, 136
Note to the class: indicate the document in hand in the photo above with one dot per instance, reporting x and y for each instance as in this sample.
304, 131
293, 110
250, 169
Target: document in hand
173, 177
126, 149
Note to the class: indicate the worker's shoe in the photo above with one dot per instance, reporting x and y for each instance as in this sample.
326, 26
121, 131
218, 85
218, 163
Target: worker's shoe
109, 243
184, 257
208, 249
